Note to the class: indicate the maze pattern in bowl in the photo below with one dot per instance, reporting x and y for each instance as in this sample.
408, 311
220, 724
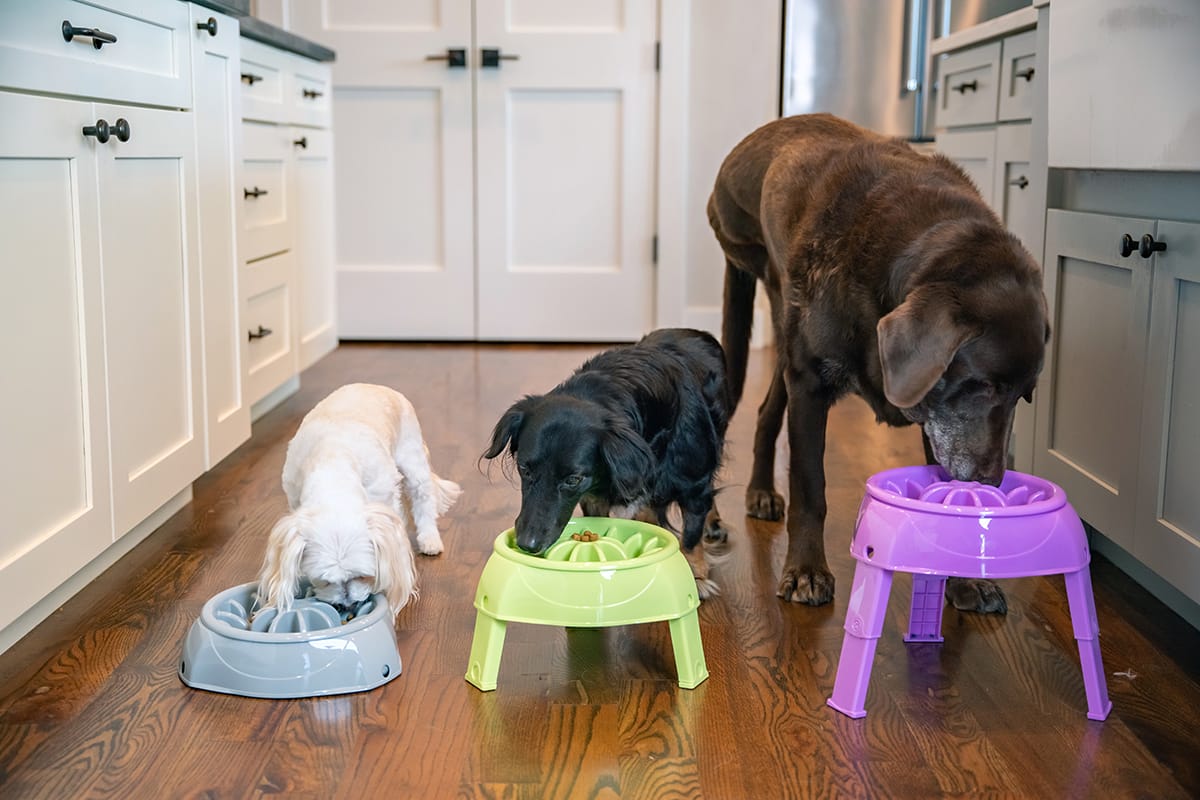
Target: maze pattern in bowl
306, 614
933, 488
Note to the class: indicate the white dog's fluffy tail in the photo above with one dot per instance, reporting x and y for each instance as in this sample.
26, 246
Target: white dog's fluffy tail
445, 492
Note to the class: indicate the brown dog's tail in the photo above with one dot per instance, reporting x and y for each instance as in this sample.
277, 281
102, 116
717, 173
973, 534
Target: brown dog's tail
736, 321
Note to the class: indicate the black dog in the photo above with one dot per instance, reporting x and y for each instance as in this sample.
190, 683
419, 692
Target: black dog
890, 277
633, 430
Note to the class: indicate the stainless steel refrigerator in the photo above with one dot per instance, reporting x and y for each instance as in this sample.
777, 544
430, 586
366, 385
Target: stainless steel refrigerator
863, 60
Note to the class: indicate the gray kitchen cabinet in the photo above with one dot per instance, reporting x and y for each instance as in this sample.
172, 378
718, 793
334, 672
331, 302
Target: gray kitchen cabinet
1117, 426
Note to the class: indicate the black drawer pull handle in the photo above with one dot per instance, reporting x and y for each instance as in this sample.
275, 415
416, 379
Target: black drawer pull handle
312, 94
1149, 247
962, 87
261, 333
454, 57
491, 57
1027, 74
255, 192
1020, 182
251, 79
99, 38
210, 26
102, 130
302, 142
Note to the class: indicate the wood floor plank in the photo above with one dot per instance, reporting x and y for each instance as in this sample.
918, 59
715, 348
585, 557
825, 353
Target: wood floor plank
91, 704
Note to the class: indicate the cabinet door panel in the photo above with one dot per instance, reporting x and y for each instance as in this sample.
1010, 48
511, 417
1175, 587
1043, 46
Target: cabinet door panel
312, 174
218, 168
152, 309
1168, 531
1089, 403
267, 228
975, 152
55, 496
1014, 200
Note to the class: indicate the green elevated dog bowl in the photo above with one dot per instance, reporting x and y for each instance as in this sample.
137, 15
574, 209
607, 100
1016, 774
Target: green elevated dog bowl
632, 573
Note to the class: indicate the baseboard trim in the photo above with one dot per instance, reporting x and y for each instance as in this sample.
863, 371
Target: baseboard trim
274, 397
1149, 580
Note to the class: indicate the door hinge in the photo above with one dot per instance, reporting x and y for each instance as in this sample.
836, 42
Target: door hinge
654, 250
658, 56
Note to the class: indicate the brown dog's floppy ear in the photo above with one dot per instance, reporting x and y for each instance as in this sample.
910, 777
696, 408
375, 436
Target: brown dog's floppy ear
507, 430
917, 341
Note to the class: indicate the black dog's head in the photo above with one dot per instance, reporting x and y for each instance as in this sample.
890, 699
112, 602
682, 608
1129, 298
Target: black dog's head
565, 447
956, 359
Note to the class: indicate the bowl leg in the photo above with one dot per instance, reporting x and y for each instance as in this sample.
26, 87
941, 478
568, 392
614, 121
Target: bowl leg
486, 647
1087, 632
689, 650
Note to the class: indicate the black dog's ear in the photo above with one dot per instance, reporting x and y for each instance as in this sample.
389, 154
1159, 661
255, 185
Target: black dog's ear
507, 430
629, 461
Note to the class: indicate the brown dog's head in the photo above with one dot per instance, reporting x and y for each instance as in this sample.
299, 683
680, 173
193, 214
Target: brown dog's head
956, 357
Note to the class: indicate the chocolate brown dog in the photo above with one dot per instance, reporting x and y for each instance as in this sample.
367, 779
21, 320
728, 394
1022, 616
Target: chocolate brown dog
890, 277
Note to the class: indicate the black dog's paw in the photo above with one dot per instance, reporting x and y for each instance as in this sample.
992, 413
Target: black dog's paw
976, 594
764, 504
813, 587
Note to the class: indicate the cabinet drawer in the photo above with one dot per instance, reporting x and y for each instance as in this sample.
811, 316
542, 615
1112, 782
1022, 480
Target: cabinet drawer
266, 90
310, 93
975, 152
967, 88
271, 357
1014, 198
266, 151
1017, 76
147, 64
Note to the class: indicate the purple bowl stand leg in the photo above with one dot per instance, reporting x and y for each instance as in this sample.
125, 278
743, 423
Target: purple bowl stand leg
925, 613
1083, 620
864, 624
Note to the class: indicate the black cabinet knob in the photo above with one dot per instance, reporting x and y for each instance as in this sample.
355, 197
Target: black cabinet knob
1148, 247
1027, 74
250, 78
455, 57
99, 38
255, 192
491, 57
311, 94
302, 142
1020, 182
1129, 246
260, 333
102, 130
210, 26
963, 87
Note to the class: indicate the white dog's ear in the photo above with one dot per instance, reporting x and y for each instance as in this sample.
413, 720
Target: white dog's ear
395, 573
279, 578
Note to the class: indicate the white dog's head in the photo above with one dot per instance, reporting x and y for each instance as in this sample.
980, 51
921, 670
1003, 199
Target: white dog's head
346, 558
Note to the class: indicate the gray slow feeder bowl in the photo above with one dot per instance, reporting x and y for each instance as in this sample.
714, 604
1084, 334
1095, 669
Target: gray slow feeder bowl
307, 652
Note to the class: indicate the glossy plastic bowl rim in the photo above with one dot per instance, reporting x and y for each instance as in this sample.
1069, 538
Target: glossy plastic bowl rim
1056, 500
209, 619
509, 551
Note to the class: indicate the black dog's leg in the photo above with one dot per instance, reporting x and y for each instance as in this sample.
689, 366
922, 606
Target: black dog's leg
696, 509
762, 501
970, 594
806, 576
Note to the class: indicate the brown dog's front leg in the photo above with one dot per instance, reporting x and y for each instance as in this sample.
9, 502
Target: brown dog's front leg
762, 501
806, 576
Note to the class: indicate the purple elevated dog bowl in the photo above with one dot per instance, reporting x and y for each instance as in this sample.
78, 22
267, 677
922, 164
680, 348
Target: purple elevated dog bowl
919, 520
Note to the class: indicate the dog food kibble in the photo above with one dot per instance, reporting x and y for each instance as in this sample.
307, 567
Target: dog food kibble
586, 536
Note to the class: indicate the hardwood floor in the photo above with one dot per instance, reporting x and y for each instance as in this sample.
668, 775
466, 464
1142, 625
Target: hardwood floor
91, 706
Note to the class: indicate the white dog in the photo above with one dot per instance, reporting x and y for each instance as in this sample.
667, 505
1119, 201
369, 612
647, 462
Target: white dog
357, 474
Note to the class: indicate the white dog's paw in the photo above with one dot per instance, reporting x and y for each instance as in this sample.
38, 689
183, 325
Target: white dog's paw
706, 588
430, 544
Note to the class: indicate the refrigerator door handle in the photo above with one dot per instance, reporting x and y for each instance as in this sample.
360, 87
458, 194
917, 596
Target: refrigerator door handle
914, 45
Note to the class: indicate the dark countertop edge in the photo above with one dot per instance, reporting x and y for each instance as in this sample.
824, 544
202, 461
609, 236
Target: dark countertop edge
265, 32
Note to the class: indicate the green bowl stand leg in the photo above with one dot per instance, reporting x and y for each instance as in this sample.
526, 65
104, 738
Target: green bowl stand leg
486, 646
689, 651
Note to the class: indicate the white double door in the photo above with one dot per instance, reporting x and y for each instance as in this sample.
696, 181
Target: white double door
506, 200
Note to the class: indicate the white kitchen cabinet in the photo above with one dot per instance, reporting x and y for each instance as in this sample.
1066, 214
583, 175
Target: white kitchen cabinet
1117, 408
149, 254
1123, 84
287, 248
54, 485
1012, 197
975, 151
217, 120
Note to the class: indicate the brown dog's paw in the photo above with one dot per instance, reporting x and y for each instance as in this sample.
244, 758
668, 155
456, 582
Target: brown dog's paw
976, 594
813, 587
716, 536
764, 504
